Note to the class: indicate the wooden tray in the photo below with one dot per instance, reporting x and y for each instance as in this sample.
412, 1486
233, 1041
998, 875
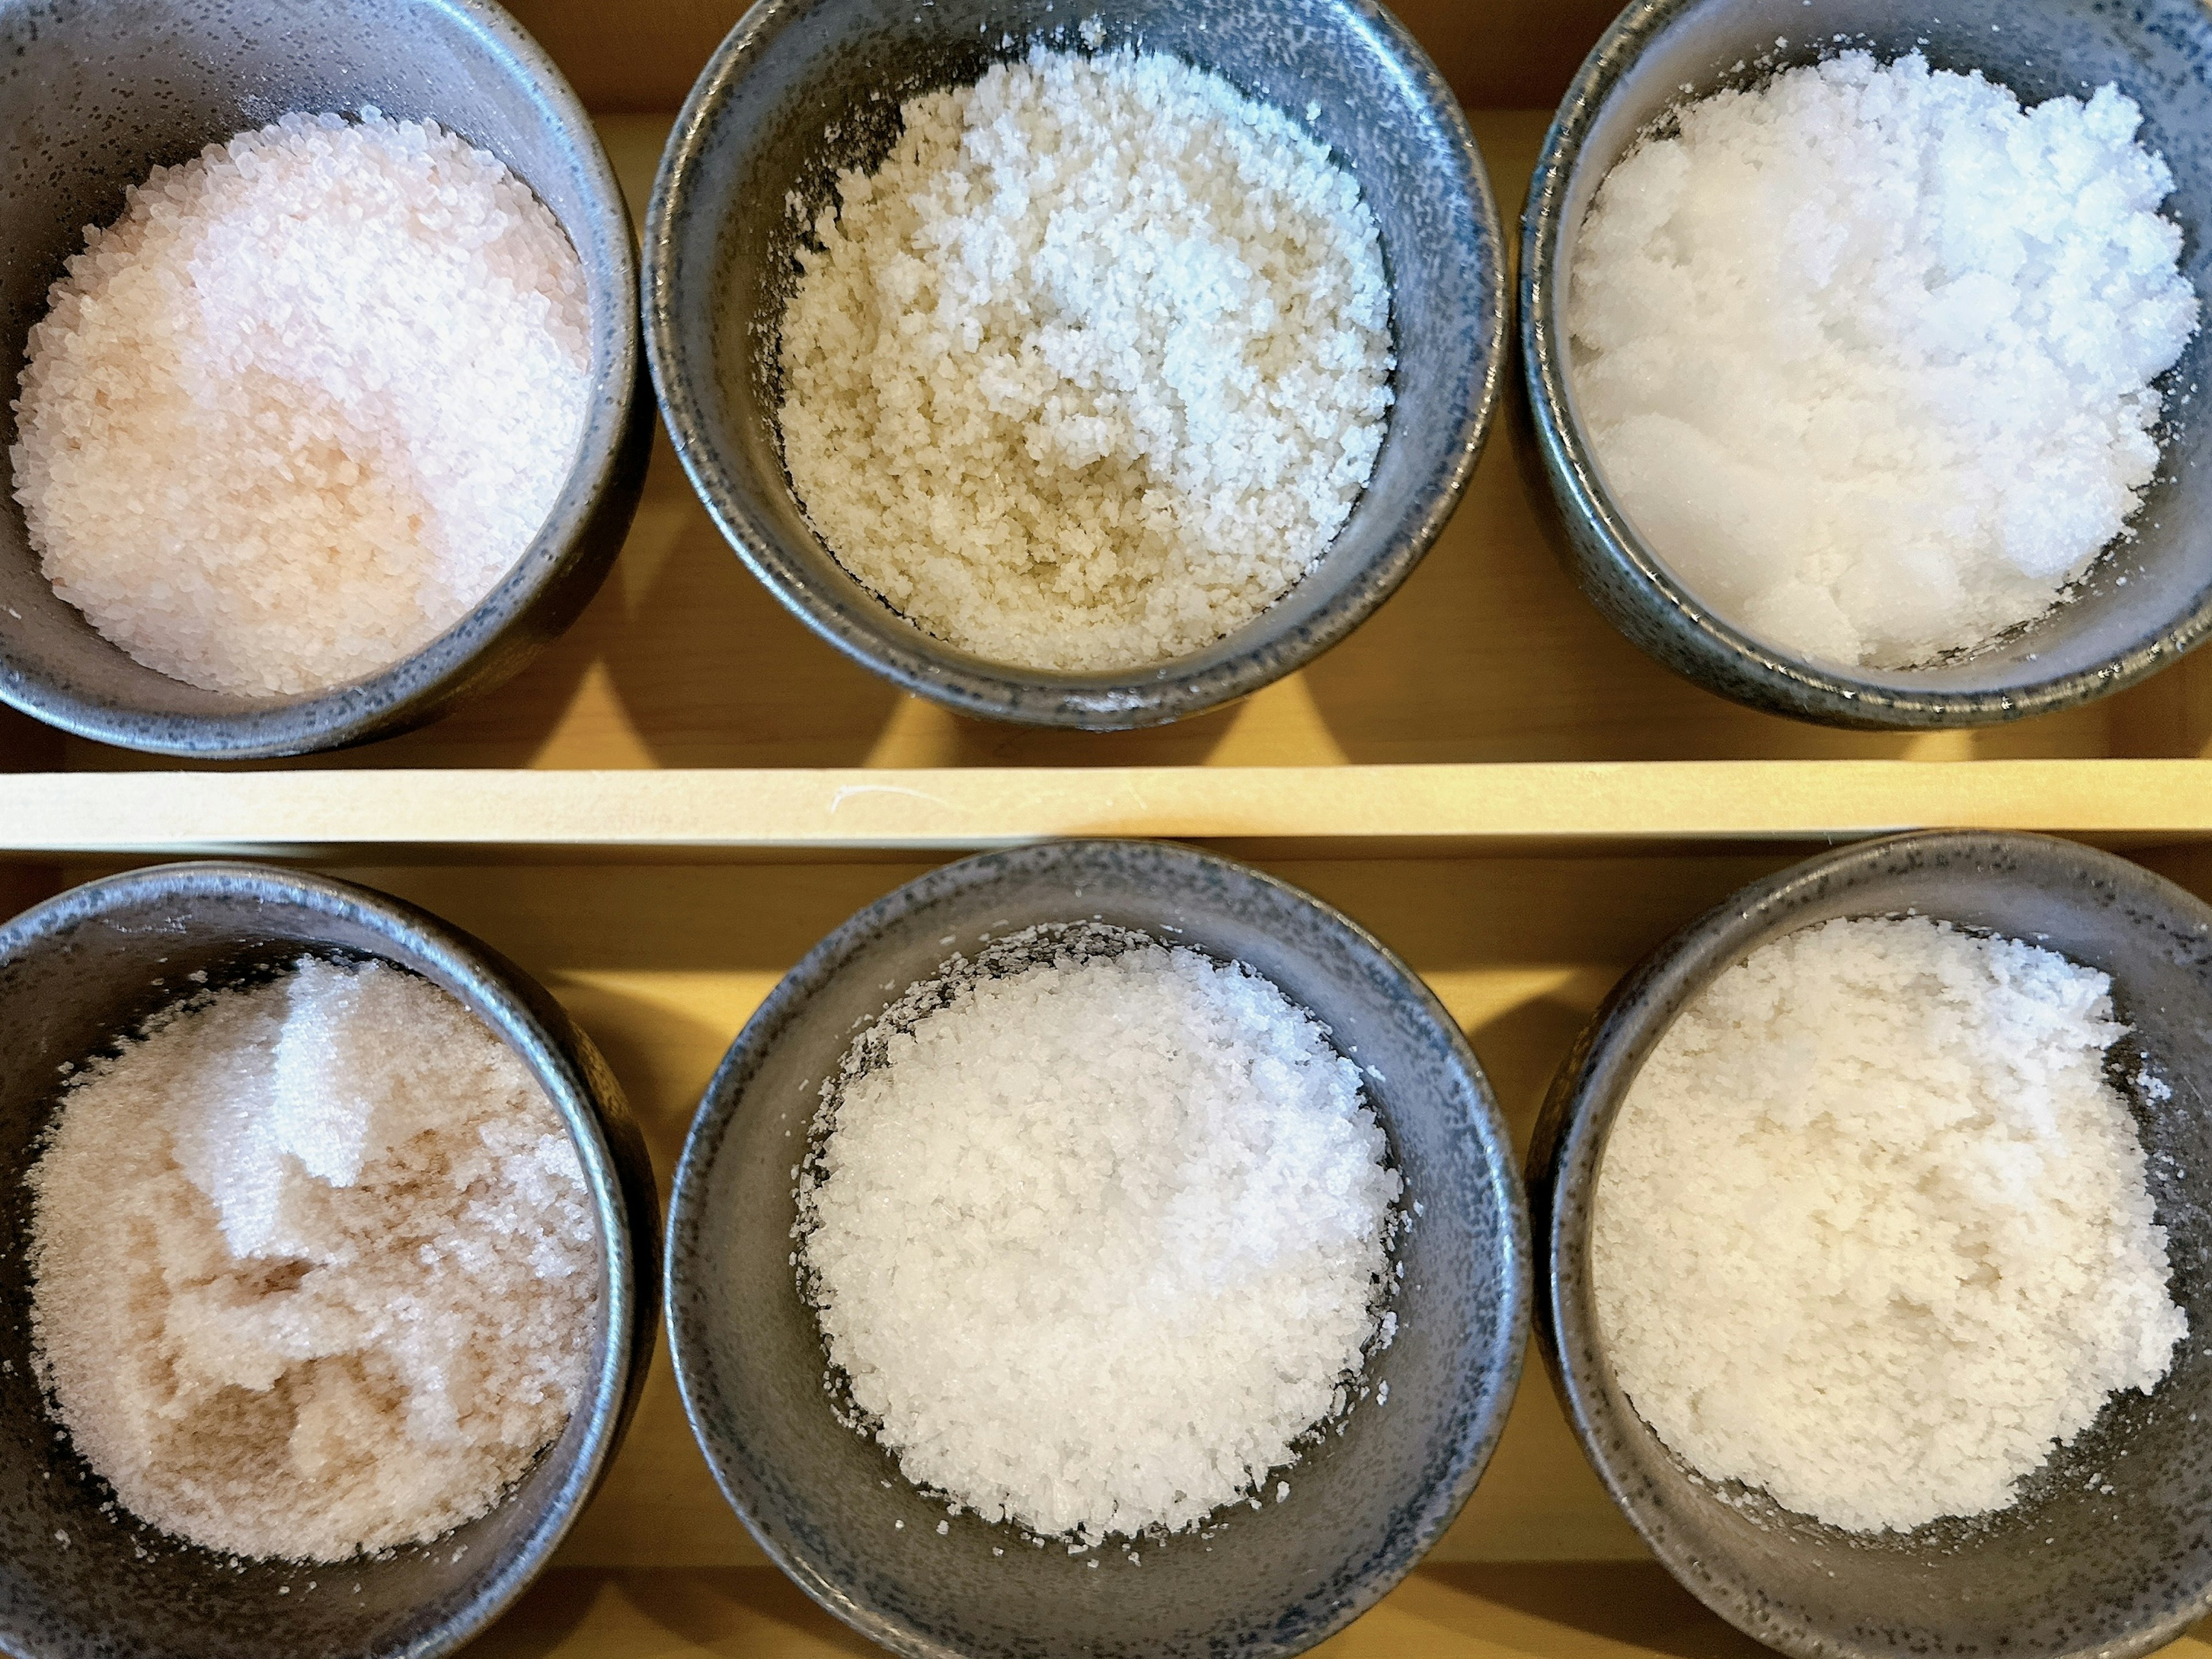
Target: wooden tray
664, 813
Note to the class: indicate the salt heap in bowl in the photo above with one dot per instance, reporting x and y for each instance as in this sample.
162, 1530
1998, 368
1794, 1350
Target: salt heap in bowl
314, 1271
1869, 355
296, 412
1098, 1232
1093, 368
1872, 1230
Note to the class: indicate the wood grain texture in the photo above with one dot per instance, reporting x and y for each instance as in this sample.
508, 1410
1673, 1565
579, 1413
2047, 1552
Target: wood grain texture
715, 814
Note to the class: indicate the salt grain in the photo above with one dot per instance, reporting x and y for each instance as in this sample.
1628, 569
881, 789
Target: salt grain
1098, 1231
1867, 355
1872, 1230
1093, 368
314, 1267
304, 404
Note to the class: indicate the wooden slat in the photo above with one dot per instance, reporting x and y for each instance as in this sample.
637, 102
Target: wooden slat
713, 813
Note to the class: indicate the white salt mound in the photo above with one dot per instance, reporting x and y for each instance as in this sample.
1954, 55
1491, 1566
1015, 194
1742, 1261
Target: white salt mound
1098, 1239
1866, 355
1091, 370
1872, 1229
314, 1267
300, 409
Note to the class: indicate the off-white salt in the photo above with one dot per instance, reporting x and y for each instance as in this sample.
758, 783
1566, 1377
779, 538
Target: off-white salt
1873, 1229
314, 1267
1093, 368
1868, 354
298, 409
1098, 1231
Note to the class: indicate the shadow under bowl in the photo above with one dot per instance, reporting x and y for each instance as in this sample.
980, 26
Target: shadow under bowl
90, 967
2112, 1569
831, 1508
2146, 602
802, 89
95, 94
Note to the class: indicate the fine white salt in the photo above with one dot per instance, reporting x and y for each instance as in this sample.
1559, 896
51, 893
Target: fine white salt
1093, 368
1098, 1231
314, 1267
298, 409
1867, 355
1873, 1231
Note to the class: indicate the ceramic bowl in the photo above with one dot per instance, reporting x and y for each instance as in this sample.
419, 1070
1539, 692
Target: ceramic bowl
2145, 602
2111, 1569
92, 97
88, 967
803, 87
831, 1507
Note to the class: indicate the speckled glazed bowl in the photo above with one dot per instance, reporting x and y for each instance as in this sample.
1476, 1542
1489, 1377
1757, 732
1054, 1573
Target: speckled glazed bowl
832, 1509
2069, 1570
803, 87
84, 968
94, 94
2146, 602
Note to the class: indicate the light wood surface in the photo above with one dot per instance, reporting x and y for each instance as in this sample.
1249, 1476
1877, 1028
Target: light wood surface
689, 790
707, 814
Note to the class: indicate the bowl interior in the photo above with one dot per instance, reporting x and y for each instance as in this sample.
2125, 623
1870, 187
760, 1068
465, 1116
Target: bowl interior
96, 93
809, 89
832, 1507
74, 977
2159, 53
2115, 1564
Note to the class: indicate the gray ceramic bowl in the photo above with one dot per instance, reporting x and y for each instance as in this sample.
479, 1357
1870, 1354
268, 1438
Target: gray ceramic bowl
826, 1504
2068, 1571
88, 966
803, 87
2144, 603
93, 95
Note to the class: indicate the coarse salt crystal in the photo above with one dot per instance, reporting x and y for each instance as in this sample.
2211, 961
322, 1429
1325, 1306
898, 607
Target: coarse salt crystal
314, 1266
271, 463
1867, 355
1097, 1230
1094, 367
1872, 1230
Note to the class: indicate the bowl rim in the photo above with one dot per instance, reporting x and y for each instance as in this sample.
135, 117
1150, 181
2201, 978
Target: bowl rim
1566, 1158
420, 686
703, 1141
1669, 621
853, 619
565, 1065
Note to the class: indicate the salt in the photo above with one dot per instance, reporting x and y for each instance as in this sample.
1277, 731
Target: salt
314, 1267
1093, 368
1872, 1230
1097, 1231
1868, 355
298, 409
